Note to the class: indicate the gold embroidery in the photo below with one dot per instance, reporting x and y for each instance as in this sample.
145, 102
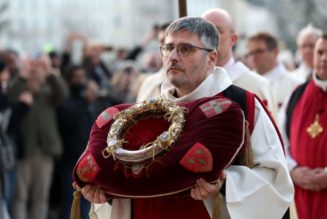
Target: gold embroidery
315, 128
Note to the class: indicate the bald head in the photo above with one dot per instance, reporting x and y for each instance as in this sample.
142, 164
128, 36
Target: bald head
219, 17
225, 25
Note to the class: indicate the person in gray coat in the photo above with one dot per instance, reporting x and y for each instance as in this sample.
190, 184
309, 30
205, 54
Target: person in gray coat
40, 137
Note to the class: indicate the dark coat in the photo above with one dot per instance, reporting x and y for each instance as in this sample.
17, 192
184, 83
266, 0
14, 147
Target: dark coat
75, 119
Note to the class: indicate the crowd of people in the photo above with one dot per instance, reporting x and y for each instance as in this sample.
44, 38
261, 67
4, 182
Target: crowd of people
49, 102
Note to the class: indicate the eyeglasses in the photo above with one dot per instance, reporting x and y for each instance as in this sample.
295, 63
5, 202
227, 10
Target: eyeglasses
256, 52
183, 49
307, 46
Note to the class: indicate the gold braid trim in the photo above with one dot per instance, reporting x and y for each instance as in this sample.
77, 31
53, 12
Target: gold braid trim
246, 154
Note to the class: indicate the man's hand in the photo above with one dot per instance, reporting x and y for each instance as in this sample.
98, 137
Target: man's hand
26, 97
44, 65
320, 178
94, 194
204, 189
303, 177
25, 68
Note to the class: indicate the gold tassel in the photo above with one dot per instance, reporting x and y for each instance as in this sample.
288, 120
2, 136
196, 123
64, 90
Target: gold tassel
75, 212
246, 159
216, 214
246, 155
249, 153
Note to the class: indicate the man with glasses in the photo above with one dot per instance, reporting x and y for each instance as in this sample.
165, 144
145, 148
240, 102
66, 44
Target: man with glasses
262, 53
189, 57
240, 74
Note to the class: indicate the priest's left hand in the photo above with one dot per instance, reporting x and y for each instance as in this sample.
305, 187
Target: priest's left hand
204, 189
320, 179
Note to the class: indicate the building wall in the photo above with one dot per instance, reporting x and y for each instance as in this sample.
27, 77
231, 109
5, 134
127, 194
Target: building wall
34, 23
121, 23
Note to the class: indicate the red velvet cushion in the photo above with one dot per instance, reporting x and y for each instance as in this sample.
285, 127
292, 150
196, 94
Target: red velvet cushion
212, 136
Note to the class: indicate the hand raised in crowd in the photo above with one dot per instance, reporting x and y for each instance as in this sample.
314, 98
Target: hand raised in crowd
44, 64
71, 37
26, 97
26, 66
35, 65
91, 91
204, 189
151, 35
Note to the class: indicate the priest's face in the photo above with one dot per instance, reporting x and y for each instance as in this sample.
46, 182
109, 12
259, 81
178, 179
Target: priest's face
227, 38
306, 44
320, 58
262, 58
186, 61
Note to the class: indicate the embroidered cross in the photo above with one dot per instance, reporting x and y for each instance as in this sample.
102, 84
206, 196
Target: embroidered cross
106, 116
215, 107
315, 128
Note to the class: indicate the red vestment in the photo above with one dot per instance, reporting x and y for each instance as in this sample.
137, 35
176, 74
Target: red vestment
308, 151
169, 207
214, 132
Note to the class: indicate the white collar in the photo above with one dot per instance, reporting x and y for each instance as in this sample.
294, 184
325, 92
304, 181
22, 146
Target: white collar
235, 69
305, 68
216, 82
229, 64
320, 83
304, 71
274, 74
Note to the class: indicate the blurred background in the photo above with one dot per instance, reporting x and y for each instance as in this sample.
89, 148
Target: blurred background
27, 25
90, 55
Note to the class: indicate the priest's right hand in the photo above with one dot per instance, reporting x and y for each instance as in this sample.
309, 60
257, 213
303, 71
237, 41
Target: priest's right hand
94, 194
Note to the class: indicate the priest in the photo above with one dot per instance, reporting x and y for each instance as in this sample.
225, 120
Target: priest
304, 122
263, 190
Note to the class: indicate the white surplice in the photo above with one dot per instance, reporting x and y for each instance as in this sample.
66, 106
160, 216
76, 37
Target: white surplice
303, 72
151, 86
243, 77
282, 82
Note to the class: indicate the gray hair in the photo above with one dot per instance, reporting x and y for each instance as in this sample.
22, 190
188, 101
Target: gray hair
309, 29
205, 30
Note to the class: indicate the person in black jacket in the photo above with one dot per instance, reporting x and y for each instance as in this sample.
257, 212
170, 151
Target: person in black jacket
75, 118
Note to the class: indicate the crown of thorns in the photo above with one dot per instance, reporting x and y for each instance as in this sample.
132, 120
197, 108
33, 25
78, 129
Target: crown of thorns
159, 108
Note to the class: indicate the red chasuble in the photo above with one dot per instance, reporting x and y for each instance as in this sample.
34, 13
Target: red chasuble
169, 207
309, 147
212, 137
